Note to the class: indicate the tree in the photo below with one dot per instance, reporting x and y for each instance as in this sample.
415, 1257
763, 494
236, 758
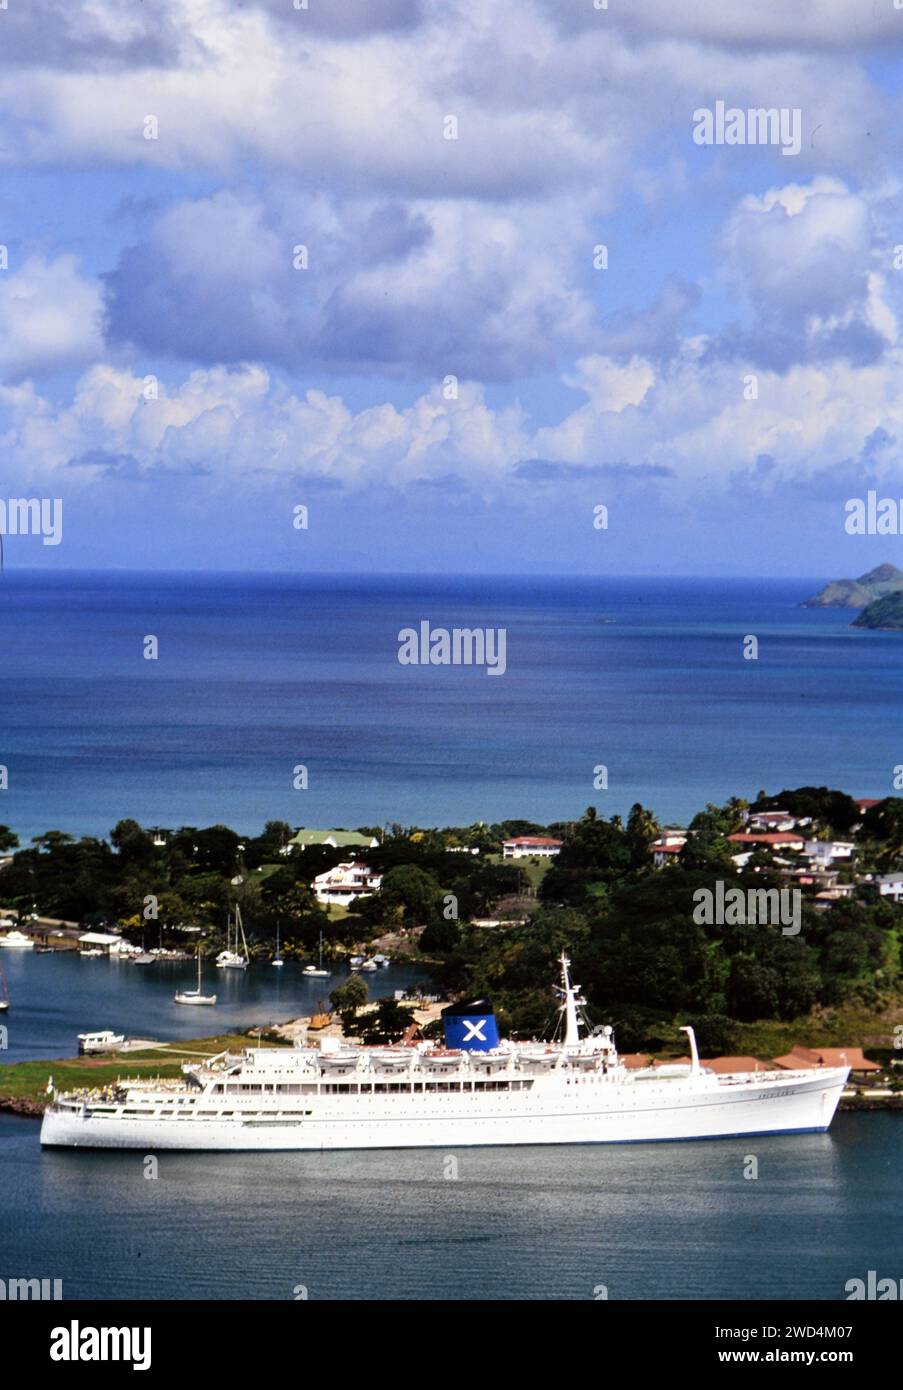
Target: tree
389, 1023
414, 890
346, 999
8, 840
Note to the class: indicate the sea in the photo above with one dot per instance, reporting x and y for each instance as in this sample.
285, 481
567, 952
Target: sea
256, 676
618, 1222
282, 697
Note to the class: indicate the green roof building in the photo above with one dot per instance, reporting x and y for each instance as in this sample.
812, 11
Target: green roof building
335, 839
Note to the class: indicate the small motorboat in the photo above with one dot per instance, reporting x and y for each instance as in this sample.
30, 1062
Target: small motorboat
369, 965
92, 952
104, 1041
16, 941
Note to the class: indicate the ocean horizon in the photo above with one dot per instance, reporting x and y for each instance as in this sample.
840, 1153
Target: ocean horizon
259, 674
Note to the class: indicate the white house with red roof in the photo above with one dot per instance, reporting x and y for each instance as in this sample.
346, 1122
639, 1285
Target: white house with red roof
345, 882
525, 846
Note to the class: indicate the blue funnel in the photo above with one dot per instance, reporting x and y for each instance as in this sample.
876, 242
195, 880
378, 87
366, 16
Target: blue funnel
470, 1026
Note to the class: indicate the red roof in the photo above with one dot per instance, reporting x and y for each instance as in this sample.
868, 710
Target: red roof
866, 802
806, 1058
532, 840
771, 837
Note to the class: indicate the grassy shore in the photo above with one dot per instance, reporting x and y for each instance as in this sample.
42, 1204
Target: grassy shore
24, 1084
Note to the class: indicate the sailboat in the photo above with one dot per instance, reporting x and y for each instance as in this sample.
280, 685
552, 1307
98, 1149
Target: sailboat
317, 972
229, 959
277, 959
4, 992
194, 996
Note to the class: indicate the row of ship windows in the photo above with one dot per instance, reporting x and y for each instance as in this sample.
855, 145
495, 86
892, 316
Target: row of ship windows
378, 1087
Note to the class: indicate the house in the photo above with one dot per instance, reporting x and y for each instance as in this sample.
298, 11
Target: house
823, 852
771, 820
768, 840
346, 882
665, 851
525, 846
808, 1058
332, 839
890, 885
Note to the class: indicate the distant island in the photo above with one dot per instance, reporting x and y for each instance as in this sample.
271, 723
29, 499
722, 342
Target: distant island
880, 583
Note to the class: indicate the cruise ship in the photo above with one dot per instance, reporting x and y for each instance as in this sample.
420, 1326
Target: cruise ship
474, 1090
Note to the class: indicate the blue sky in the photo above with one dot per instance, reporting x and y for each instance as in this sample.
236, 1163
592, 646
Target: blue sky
428, 259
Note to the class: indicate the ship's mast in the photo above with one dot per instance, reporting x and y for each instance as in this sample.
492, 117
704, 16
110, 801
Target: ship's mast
570, 992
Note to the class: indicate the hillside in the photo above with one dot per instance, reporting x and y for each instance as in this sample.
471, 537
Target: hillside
885, 612
858, 593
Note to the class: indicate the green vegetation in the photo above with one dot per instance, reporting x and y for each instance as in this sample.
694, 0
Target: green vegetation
885, 612
644, 961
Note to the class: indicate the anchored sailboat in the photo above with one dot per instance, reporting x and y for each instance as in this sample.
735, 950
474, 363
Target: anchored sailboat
194, 996
229, 959
277, 959
4, 992
317, 971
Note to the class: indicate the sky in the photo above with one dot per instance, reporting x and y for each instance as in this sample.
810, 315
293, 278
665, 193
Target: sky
451, 375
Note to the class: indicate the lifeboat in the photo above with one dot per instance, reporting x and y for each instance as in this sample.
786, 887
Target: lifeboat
339, 1061
395, 1059
489, 1061
539, 1056
440, 1060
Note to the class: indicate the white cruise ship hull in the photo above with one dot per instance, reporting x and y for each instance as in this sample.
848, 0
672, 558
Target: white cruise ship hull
554, 1111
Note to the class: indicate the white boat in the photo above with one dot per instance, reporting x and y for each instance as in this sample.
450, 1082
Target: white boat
369, 965
229, 959
92, 951
326, 1097
194, 996
316, 972
277, 959
104, 1041
16, 941
4, 992
356, 962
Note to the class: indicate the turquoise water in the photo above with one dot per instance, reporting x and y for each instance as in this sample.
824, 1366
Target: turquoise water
257, 674
647, 1222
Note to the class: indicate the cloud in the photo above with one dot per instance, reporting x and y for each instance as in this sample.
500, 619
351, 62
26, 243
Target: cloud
428, 288
346, 18
92, 34
50, 316
805, 258
737, 24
